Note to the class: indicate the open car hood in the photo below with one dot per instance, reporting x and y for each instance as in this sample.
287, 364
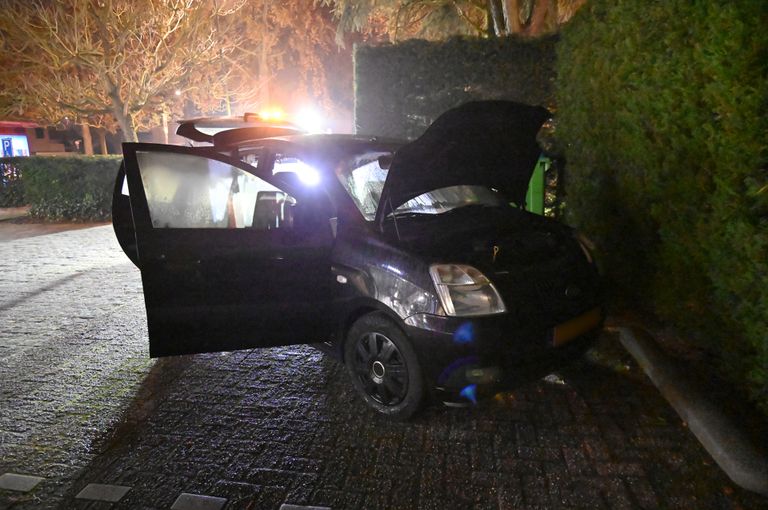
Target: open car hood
203, 129
491, 143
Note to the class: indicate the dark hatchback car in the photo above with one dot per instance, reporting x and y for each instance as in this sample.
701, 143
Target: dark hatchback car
414, 264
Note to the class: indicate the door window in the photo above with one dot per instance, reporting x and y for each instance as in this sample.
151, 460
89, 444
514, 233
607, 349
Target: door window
188, 191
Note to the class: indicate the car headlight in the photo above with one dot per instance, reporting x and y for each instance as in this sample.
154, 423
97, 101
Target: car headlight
465, 291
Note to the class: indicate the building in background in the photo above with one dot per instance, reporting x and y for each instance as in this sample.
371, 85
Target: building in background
19, 138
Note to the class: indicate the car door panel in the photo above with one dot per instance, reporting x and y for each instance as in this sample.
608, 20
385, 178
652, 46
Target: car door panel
209, 286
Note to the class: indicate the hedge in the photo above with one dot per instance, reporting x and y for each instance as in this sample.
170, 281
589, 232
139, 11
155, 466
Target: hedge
663, 111
11, 185
400, 89
67, 187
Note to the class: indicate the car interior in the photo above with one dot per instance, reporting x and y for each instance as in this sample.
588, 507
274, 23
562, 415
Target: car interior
273, 209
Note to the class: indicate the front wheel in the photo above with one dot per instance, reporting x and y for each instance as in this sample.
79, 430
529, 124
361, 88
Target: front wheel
383, 367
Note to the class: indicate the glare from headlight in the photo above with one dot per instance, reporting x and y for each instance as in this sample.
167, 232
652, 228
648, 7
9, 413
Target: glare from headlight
464, 291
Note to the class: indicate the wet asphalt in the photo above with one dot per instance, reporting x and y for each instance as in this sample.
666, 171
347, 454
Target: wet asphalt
82, 403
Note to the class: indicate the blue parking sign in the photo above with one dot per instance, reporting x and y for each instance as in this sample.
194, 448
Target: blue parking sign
7, 147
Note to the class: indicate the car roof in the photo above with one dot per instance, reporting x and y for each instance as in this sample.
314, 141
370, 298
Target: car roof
203, 129
243, 139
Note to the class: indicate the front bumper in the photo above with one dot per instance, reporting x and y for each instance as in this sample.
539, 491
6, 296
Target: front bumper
468, 358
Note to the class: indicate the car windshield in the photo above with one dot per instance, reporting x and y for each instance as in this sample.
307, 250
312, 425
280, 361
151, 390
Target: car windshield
363, 177
452, 197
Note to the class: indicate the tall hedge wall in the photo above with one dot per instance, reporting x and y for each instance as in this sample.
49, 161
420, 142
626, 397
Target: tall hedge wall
67, 187
400, 89
663, 108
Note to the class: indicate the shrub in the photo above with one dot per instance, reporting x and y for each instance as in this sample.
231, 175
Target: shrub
69, 187
11, 185
400, 89
663, 111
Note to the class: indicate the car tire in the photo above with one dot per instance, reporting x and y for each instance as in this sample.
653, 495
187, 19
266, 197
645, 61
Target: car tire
383, 367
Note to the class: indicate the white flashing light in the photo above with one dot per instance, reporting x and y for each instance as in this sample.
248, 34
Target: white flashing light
309, 176
306, 174
309, 120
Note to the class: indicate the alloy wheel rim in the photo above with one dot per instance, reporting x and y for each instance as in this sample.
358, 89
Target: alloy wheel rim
380, 367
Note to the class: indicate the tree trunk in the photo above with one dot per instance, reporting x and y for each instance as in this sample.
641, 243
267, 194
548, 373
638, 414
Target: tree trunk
125, 121
511, 10
496, 24
164, 120
263, 67
87, 140
102, 133
543, 10
122, 116
127, 126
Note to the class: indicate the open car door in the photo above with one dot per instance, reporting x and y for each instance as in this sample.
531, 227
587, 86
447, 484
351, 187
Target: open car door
229, 258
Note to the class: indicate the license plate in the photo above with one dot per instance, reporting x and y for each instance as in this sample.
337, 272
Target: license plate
567, 331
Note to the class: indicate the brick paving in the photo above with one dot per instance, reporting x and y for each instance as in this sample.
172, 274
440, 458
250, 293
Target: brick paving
72, 353
81, 403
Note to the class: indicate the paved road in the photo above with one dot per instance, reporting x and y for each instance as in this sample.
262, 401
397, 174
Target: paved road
81, 403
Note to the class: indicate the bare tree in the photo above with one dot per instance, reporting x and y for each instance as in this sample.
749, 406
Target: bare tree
282, 34
130, 64
437, 19
536, 17
118, 59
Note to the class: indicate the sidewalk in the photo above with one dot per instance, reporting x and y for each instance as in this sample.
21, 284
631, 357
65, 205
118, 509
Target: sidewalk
10, 213
16, 224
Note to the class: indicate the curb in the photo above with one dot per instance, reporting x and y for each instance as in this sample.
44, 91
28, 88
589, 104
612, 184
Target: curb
733, 452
